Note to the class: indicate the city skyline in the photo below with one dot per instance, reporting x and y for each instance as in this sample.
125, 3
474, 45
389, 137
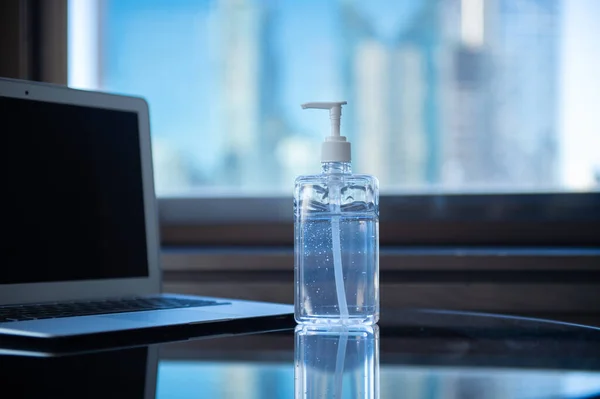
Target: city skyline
191, 92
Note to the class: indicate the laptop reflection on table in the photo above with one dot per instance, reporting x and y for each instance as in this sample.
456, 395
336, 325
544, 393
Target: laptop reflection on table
128, 373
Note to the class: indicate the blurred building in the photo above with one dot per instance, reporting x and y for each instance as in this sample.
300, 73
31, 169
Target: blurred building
417, 84
523, 42
365, 70
467, 136
464, 98
248, 95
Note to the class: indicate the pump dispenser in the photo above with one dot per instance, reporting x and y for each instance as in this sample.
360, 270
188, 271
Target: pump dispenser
335, 148
336, 227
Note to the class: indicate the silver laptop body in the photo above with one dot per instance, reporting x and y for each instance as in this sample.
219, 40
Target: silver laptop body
103, 142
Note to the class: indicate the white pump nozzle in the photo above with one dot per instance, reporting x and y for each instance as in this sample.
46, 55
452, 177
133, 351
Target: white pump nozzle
335, 147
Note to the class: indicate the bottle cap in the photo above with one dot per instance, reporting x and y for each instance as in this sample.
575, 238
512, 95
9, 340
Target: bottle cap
335, 148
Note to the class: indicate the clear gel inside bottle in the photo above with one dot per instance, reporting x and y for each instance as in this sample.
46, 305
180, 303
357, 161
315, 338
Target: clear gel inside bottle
337, 247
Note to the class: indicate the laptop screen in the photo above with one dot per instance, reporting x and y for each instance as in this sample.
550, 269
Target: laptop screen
72, 193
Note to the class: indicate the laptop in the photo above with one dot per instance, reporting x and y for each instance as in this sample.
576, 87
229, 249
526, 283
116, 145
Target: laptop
80, 247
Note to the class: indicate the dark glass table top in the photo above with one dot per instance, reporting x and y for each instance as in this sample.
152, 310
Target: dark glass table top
412, 354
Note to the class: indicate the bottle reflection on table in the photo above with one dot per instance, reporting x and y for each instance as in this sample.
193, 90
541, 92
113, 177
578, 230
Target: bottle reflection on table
336, 363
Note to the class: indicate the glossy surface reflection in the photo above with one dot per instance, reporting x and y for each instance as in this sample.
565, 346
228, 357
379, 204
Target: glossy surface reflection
126, 373
421, 355
337, 363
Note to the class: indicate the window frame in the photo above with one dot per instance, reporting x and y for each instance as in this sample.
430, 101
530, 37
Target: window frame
34, 40
434, 220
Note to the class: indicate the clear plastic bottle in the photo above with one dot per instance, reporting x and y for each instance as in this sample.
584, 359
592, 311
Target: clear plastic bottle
336, 218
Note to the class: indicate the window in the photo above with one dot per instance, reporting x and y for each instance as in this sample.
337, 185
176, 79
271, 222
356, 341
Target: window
458, 96
478, 116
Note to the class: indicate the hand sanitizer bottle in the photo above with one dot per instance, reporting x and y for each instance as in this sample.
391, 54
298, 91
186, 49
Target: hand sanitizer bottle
336, 244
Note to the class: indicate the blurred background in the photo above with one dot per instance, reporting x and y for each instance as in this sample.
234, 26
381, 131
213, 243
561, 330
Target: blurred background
443, 95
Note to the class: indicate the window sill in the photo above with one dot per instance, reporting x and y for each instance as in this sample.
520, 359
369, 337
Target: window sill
223, 259
512, 281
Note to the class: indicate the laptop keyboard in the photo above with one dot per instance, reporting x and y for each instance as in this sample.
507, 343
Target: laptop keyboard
122, 305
